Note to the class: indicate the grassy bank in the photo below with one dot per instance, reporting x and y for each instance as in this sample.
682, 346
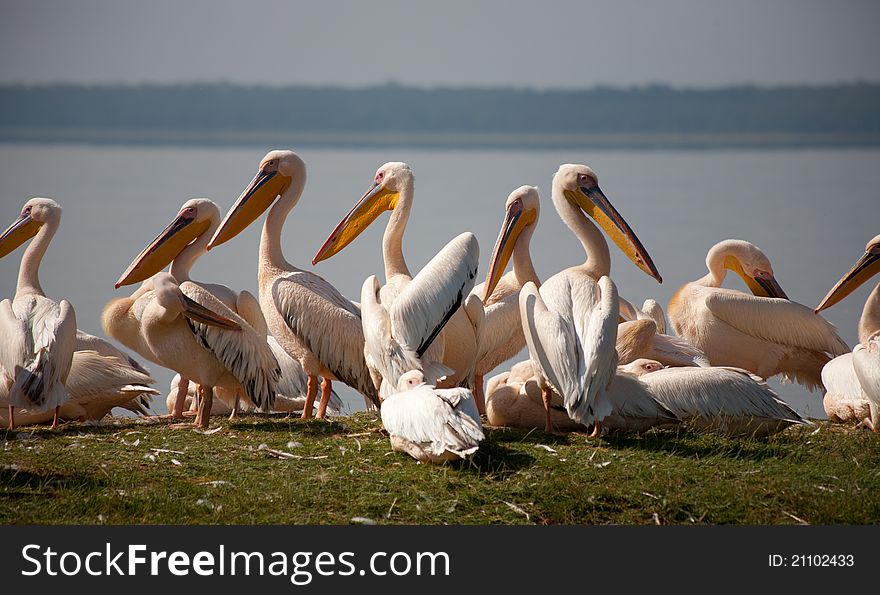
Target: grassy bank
276, 470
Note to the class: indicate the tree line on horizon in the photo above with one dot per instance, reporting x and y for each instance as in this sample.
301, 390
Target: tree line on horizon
845, 108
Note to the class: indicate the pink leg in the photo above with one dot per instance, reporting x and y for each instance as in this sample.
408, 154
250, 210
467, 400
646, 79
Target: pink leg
479, 395
545, 396
55, 417
182, 388
310, 397
206, 401
325, 398
11, 417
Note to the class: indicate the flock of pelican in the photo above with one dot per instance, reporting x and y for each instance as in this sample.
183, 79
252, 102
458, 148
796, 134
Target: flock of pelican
417, 346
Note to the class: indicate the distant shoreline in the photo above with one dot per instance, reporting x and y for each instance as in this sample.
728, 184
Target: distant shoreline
439, 140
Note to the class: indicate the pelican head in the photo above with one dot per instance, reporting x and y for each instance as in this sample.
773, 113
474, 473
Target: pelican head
389, 181
170, 297
277, 171
749, 262
195, 218
866, 267
580, 186
34, 214
410, 380
521, 212
641, 366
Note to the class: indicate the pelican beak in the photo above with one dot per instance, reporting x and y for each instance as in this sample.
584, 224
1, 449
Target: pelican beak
373, 203
162, 250
199, 313
761, 283
866, 267
595, 204
23, 229
255, 199
516, 219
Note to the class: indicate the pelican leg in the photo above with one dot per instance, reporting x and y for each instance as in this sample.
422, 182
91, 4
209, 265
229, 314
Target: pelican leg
325, 398
55, 417
545, 397
180, 398
206, 401
11, 417
235, 403
479, 395
597, 431
310, 397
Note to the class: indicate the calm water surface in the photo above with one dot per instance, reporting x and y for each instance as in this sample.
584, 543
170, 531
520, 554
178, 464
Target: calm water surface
811, 211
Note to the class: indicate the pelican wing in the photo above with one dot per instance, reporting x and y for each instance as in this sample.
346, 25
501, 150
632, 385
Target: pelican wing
426, 303
328, 325
86, 341
42, 344
419, 415
93, 374
776, 320
729, 400
572, 338
839, 377
866, 363
245, 353
634, 408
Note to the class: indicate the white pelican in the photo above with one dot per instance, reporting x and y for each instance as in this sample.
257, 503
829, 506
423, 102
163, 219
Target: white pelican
314, 323
96, 384
203, 340
181, 243
515, 400
722, 400
571, 324
764, 333
432, 425
291, 388
502, 336
38, 334
436, 299
865, 358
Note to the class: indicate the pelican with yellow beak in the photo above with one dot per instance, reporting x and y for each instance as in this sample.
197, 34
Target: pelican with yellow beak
403, 318
181, 243
765, 333
37, 334
310, 319
570, 324
846, 403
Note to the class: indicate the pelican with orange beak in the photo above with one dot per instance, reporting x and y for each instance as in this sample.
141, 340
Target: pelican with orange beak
570, 324
181, 243
310, 319
842, 401
37, 334
764, 333
184, 326
402, 318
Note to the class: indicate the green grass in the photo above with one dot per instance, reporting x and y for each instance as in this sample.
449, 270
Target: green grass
121, 473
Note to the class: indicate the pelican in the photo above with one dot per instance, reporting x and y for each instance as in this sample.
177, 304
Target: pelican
96, 384
431, 425
314, 323
764, 333
181, 243
291, 388
570, 325
723, 400
38, 334
502, 336
407, 313
515, 400
865, 357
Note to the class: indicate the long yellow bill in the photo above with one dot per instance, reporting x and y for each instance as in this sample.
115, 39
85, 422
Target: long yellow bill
594, 203
199, 313
866, 267
516, 219
163, 249
254, 200
762, 283
21, 230
373, 203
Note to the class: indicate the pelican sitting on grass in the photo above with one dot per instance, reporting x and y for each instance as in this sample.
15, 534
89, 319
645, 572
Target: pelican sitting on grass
432, 425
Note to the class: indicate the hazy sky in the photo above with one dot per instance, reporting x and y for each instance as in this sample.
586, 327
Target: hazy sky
546, 43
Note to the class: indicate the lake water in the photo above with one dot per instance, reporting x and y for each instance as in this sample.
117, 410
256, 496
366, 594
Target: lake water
811, 211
